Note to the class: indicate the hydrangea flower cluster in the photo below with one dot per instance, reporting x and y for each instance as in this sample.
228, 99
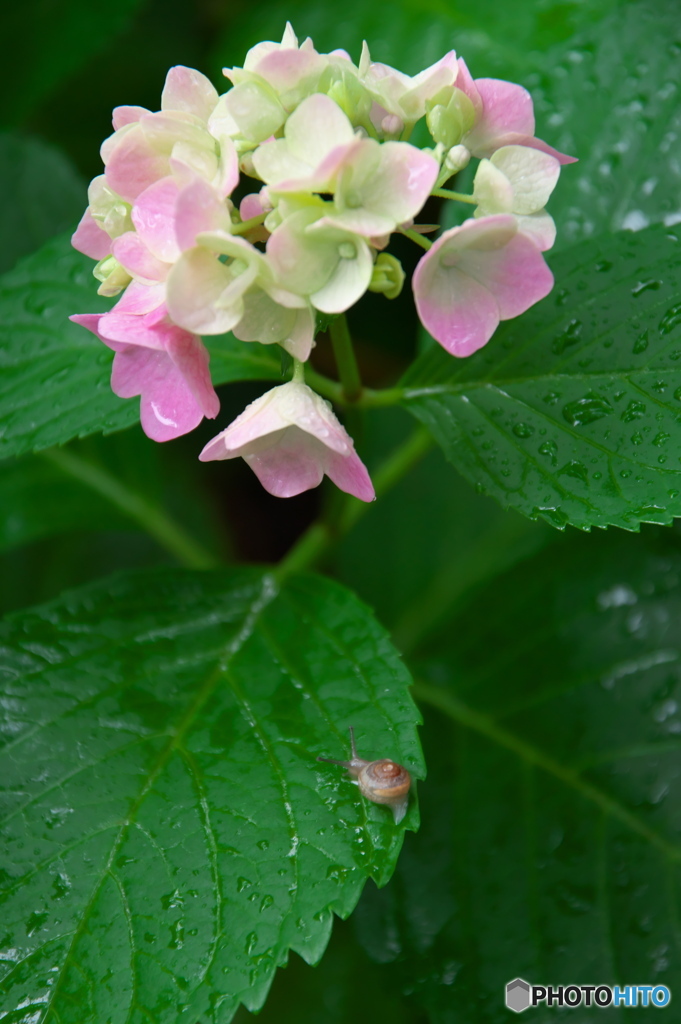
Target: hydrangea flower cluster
319, 150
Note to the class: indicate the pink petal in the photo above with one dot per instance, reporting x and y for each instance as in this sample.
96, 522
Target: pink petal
506, 107
349, 474
89, 238
140, 298
128, 329
251, 206
188, 90
132, 253
127, 115
460, 314
174, 384
515, 274
516, 139
168, 408
293, 464
198, 209
133, 164
288, 69
154, 217
464, 82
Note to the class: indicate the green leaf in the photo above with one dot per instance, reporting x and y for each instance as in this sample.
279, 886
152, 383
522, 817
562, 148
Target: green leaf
55, 374
41, 193
179, 836
610, 97
572, 412
550, 847
49, 43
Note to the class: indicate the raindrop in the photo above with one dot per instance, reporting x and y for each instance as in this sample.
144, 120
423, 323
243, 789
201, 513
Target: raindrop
645, 286
586, 410
641, 343
243, 883
523, 430
251, 942
263, 844
575, 469
634, 411
670, 320
570, 336
267, 902
549, 448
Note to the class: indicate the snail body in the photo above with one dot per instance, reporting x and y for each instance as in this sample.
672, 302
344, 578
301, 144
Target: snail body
383, 781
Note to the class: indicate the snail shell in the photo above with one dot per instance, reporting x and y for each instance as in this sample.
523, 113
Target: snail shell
382, 782
386, 782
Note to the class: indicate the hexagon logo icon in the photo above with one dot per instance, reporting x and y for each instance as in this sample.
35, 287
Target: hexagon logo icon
517, 995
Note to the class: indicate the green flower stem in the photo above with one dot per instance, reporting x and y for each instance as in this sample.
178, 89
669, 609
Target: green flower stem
369, 399
321, 536
248, 225
445, 193
484, 725
348, 371
153, 519
425, 243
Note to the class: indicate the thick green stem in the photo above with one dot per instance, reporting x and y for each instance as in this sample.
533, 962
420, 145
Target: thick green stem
348, 371
321, 536
461, 197
369, 399
153, 520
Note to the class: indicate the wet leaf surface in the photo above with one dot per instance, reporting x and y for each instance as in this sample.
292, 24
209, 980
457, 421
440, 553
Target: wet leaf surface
168, 835
54, 383
572, 412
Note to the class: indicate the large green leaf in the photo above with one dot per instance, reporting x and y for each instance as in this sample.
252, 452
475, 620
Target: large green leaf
551, 845
168, 833
572, 412
611, 97
55, 374
41, 193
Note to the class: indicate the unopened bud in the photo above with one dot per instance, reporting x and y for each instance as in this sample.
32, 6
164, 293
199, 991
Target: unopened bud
387, 276
449, 115
457, 158
392, 125
113, 276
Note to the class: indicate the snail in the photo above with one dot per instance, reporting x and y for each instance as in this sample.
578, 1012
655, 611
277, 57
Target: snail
383, 782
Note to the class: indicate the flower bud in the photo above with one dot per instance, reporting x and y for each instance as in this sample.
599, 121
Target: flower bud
113, 276
387, 276
449, 115
457, 158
